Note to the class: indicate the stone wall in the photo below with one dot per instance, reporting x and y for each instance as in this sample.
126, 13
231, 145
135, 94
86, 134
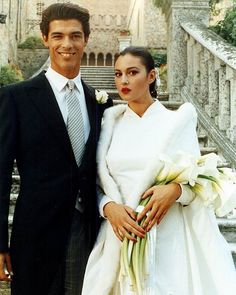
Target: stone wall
29, 61
155, 26
147, 24
9, 31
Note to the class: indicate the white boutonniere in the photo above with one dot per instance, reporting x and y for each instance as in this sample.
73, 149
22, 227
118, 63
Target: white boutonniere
101, 96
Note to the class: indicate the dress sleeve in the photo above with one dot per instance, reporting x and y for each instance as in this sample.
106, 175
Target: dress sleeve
187, 143
187, 195
102, 199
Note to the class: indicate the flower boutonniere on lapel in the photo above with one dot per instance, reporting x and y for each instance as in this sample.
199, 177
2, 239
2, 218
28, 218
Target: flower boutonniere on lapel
101, 96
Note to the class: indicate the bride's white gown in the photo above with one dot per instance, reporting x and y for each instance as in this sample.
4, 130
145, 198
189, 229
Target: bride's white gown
188, 261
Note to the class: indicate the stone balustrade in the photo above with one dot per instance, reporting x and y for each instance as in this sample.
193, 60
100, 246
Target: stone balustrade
210, 84
202, 70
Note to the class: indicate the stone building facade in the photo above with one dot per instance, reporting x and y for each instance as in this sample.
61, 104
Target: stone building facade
11, 14
147, 24
110, 19
142, 22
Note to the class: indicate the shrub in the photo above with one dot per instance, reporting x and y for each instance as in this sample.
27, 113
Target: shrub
159, 58
10, 74
32, 42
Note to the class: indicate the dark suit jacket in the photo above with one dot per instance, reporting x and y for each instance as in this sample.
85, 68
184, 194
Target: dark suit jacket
33, 132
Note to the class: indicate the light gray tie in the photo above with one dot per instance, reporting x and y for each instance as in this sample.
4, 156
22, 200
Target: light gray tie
75, 126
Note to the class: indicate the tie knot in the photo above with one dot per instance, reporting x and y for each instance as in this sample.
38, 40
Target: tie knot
71, 85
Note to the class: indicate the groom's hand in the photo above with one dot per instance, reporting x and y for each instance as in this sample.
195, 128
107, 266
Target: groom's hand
122, 219
5, 267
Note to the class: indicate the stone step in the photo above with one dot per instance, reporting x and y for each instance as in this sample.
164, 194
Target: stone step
5, 288
99, 77
228, 229
232, 247
207, 150
97, 69
96, 76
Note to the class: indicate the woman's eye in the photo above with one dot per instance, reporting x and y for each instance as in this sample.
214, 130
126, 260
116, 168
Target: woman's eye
132, 73
117, 75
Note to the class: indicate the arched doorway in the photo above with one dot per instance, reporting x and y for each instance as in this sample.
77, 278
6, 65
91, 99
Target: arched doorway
92, 59
84, 60
108, 59
116, 56
100, 60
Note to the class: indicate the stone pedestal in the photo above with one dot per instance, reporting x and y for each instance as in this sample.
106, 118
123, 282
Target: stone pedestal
176, 12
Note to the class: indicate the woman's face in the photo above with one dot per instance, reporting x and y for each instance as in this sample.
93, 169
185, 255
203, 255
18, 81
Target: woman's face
131, 78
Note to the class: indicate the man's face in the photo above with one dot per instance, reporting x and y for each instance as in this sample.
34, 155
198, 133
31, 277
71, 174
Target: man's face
66, 43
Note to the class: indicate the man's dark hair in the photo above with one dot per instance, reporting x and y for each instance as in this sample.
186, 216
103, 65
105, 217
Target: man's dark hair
65, 11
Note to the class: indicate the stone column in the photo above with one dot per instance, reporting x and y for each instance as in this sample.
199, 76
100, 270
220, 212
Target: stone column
224, 101
213, 92
124, 41
177, 11
231, 76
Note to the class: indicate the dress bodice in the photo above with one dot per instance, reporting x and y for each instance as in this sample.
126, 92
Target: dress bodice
133, 145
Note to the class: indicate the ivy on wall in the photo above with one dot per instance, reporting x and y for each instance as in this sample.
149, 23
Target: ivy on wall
32, 42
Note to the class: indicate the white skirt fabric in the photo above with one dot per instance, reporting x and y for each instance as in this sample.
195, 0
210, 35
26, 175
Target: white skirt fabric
191, 257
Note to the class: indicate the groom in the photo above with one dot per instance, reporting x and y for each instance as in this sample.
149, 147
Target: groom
50, 125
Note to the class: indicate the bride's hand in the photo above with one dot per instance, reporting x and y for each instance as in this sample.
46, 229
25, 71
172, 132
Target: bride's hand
122, 219
163, 196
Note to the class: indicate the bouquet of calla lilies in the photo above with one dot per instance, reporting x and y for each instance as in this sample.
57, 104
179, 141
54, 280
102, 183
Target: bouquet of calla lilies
215, 186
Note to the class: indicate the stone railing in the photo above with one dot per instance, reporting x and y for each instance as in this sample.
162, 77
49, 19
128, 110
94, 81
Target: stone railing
210, 84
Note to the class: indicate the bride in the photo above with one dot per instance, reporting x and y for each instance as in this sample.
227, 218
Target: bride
191, 257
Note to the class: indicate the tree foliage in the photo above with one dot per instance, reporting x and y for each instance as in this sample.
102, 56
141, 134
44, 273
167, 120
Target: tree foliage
10, 74
226, 28
212, 4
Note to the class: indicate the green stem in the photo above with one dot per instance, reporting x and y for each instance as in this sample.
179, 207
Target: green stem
128, 269
135, 263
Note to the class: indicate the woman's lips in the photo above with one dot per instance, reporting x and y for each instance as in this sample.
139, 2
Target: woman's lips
125, 90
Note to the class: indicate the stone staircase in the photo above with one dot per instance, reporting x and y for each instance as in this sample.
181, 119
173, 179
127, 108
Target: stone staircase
102, 78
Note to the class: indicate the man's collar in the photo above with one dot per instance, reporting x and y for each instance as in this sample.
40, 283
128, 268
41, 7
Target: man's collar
60, 81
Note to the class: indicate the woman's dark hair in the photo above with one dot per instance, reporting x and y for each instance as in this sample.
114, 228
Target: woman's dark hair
65, 11
146, 59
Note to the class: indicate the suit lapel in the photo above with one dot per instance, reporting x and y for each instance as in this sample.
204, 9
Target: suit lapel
90, 146
45, 101
91, 106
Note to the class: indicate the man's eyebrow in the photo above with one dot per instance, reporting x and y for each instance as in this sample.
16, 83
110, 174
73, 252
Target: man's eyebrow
61, 33
56, 33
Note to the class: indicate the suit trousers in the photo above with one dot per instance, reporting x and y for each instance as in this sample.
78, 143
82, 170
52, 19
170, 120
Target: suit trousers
69, 279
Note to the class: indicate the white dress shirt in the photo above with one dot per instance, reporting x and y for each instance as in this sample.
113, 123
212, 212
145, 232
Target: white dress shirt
58, 84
